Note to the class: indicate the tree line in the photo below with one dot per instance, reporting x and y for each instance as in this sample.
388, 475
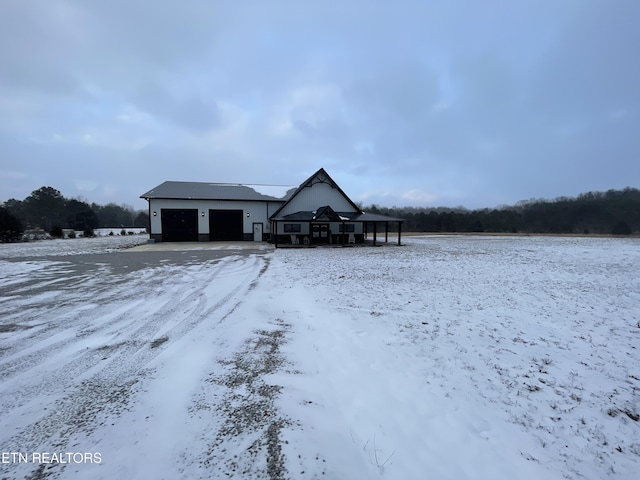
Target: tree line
47, 209
614, 212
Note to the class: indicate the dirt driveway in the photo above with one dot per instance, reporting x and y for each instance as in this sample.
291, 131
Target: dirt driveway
120, 358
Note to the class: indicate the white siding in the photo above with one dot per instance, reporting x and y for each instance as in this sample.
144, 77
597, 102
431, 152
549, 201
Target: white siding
258, 212
319, 195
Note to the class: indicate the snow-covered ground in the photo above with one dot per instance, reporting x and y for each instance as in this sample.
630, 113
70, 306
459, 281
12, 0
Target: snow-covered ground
449, 358
70, 246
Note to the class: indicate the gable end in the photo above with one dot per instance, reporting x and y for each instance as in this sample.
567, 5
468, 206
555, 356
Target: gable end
321, 177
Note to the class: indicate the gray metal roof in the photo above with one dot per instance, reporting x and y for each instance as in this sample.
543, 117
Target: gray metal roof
207, 191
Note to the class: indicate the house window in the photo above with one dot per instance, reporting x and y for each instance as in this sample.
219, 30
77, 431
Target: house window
292, 228
348, 228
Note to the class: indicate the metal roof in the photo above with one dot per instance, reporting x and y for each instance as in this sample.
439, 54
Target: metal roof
207, 191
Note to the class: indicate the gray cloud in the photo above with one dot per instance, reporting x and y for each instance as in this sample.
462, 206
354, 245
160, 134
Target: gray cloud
189, 112
462, 102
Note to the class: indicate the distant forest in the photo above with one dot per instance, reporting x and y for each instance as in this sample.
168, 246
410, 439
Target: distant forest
614, 212
48, 209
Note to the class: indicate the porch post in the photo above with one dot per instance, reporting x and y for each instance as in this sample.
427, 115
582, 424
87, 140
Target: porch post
343, 234
399, 232
275, 233
386, 232
375, 232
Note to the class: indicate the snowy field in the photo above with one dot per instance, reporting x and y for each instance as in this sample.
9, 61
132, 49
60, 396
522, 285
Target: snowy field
70, 246
451, 357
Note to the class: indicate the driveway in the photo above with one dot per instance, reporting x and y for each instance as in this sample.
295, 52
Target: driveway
101, 350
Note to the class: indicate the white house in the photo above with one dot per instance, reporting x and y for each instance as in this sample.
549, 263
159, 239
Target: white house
316, 212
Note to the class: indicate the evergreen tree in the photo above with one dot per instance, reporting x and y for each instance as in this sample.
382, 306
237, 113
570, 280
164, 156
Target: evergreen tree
142, 220
44, 208
10, 227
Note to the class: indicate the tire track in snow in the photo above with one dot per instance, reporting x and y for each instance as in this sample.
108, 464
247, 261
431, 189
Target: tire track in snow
49, 339
131, 355
43, 345
113, 351
102, 378
248, 442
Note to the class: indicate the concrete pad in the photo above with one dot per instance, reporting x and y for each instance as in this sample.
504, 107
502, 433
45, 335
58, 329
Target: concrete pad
188, 246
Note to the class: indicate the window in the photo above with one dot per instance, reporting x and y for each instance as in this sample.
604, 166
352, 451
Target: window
348, 228
292, 228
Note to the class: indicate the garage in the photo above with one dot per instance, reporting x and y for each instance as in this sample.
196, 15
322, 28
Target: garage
179, 224
225, 225
317, 210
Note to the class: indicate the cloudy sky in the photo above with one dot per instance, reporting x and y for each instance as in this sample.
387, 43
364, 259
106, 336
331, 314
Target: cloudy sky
476, 103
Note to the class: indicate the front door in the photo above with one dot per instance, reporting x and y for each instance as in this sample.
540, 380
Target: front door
320, 233
257, 232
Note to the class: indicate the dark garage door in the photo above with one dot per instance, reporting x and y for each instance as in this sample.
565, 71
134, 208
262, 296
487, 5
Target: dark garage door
179, 225
225, 225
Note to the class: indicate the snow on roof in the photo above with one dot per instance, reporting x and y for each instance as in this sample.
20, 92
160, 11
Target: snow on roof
217, 191
277, 191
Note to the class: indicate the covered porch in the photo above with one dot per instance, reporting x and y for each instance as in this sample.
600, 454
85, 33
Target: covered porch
327, 227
